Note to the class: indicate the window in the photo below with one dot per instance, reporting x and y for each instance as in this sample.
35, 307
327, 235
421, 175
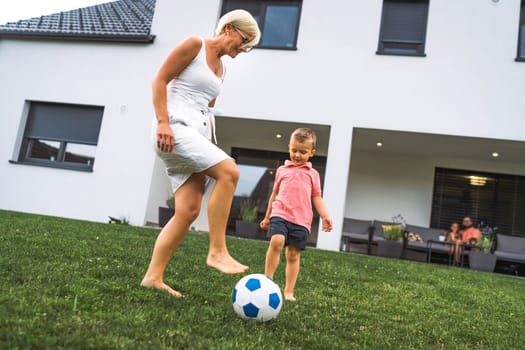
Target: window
403, 27
494, 199
278, 20
521, 34
61, 135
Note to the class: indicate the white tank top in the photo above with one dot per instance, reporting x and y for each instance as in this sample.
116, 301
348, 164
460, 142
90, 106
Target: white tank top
196, 85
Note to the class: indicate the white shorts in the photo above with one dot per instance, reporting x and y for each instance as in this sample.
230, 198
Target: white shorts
193, 153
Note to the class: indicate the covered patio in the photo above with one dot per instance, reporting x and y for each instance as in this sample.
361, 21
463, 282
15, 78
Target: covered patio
432, 180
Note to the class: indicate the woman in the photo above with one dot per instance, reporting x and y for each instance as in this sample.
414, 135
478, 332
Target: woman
184, 90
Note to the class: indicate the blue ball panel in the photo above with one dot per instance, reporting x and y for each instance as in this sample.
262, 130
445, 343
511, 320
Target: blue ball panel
251, 310
274, 300
253, 284
234, 295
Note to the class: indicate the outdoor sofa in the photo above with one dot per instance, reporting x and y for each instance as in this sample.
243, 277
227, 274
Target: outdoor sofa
510, 248
423, 250
426, 234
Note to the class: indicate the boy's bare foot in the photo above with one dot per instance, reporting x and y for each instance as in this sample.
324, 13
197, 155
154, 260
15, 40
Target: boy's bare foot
150, 283
225, 263
289, 297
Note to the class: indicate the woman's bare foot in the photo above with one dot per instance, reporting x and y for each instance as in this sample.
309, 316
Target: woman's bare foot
150, 283
225, 263
289, 297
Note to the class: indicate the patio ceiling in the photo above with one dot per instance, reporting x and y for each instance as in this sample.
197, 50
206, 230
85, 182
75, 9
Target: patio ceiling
448, 146
262, 134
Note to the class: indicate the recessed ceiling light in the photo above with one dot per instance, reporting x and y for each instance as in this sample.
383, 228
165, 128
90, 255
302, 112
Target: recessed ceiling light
379, 144
278, 136
495, 154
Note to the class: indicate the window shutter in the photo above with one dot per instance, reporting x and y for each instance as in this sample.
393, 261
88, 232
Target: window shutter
70, 123
404, 20
254, 7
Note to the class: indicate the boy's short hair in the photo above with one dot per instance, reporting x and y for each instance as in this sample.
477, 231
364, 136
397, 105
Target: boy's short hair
304, 134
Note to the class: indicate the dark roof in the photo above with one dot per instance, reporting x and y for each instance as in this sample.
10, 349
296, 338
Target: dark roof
123, 20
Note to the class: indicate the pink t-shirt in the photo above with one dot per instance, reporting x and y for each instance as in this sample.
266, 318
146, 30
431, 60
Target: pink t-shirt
295, 186
470, 233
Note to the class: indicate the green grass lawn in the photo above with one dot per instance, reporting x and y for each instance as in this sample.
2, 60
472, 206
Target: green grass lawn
74, 284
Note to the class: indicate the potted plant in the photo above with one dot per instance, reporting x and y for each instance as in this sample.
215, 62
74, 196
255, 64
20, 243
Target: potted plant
165, 213
247, 225
482, 258
392, 245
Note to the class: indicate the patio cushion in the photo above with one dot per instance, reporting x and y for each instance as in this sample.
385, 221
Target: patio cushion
356, 227
356, 230
425, 232
439, 247
510, 248
356, 237
512, 244
515, 257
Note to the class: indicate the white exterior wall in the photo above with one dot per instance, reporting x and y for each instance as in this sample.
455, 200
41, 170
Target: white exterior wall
467, 85
115, 76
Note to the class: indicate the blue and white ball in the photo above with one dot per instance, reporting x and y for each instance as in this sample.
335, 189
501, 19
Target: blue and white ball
257, 297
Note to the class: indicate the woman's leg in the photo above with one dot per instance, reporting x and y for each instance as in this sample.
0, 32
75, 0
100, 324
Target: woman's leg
293, 262
226, 176
273, 254
187, 207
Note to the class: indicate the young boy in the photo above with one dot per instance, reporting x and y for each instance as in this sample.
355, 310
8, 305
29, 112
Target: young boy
289, 214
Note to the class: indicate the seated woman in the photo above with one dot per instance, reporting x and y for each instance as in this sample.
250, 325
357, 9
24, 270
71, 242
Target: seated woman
453, 235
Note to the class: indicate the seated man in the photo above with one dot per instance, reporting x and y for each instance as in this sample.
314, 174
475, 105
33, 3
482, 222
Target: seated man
469, 234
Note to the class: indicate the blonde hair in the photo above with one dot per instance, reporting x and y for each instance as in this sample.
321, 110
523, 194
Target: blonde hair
242, 20
304, 134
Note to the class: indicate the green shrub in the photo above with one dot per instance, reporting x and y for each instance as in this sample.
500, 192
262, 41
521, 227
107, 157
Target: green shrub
485, 243
247, 212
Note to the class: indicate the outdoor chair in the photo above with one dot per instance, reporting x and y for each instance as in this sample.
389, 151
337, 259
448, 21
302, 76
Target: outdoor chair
510, 248
356, 231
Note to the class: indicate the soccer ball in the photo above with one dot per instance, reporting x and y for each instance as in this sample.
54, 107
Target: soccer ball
257, 297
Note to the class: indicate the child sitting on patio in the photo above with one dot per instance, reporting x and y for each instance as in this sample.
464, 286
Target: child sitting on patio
453, 235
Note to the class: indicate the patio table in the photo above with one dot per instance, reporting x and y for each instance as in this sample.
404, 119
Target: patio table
433, 241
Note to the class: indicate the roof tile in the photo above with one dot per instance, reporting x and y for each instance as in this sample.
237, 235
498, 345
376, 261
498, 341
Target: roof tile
122, 20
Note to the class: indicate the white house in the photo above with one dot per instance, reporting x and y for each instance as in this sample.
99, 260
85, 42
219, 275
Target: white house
407, 98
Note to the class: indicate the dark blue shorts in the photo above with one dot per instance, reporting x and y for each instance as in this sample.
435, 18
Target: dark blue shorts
295, 235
